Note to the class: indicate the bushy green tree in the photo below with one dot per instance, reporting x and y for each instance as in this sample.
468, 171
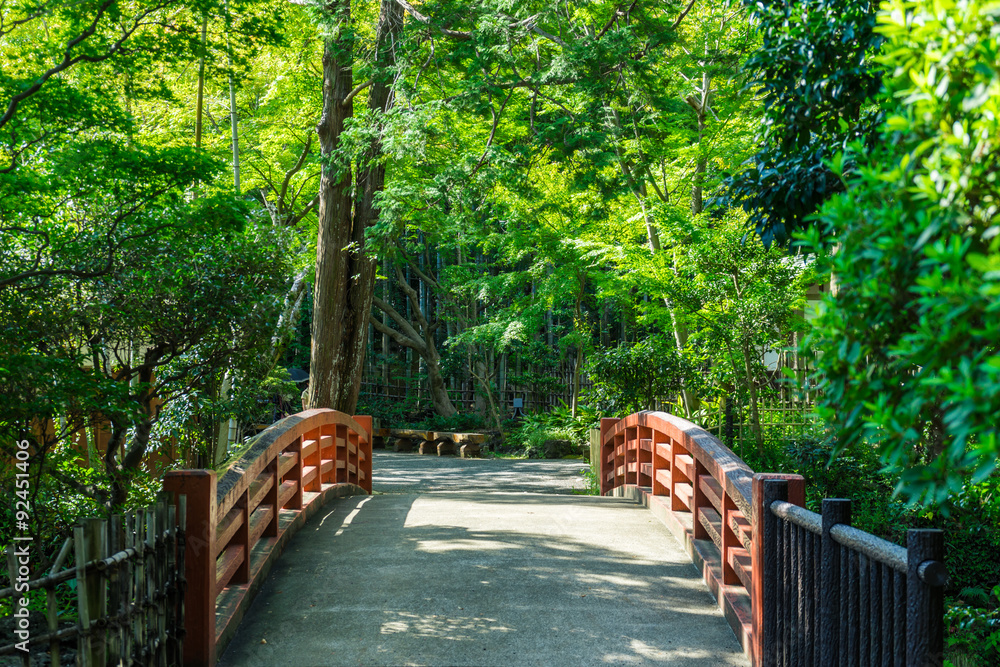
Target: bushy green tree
172, 311
633, 376
737, 297
816, 74
909, 345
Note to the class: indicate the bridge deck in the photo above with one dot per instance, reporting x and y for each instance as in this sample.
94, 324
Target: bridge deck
482, 562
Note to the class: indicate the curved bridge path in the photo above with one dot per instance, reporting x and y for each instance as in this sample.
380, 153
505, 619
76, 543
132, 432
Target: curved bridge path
482, 562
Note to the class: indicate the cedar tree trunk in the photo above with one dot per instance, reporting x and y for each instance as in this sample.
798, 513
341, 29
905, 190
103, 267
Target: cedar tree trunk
345, 272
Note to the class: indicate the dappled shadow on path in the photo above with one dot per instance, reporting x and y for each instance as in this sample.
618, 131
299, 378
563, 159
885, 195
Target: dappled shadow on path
484, 579
409, 473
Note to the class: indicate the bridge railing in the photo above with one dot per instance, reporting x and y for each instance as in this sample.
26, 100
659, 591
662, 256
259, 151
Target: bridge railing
239, 524
759, 554
841, 596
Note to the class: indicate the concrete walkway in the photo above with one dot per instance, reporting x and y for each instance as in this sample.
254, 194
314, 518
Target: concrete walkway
482, 562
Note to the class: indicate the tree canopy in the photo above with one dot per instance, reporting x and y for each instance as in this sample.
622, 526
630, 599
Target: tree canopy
473, 197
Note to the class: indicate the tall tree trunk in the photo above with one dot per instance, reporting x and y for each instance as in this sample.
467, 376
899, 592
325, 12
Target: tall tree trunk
754, 407
581, 331
436, 386
233, 116
335, 216
345, 272
200, 101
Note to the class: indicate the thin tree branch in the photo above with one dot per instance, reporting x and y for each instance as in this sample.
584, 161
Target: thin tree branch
549, 36
454, 34
420, 274
291, 172
413, 297
493, 131
417, 341
401, 340
357, 89
683, 14
614, 17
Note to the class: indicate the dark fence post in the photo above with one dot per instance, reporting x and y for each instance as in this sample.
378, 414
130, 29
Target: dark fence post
835, 511
925, 601
766, 588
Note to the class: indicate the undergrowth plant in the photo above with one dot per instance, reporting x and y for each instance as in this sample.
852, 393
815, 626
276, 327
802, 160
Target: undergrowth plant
529, 436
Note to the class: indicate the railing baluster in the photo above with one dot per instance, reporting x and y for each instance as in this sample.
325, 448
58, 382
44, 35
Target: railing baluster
788, 588
844, 604
806, 599
242, 538
864, 604
817, 596
365, 466
853, 597
885, 622
875, 613
899, 619
295, 475
835, 511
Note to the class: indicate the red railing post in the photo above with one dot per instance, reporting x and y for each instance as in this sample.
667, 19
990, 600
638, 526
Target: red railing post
365, 421
698, 502
606, 425
314, 460
342, 453
730, 541
199, 562
295, 475
242, 538
271, 499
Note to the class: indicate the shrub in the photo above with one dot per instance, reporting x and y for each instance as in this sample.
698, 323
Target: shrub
909, 346
529, 436
974, 632
630, 377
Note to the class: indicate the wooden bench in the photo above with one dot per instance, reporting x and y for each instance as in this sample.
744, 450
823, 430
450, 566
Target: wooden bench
442, 443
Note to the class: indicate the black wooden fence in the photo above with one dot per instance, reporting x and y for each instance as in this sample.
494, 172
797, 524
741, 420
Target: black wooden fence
129, 590
837, 596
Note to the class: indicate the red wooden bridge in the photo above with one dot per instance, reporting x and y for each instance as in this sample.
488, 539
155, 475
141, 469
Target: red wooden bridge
796, 588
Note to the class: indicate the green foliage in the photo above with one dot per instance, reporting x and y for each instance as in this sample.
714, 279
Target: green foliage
632, 376
529, 437
172, 310
738, 295
974, 630
858, 476
908, 356
816, 73
734, 298
972, 535
390, 412
593, 482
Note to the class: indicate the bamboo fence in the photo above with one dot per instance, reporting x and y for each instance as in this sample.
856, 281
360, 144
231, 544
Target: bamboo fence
129, 589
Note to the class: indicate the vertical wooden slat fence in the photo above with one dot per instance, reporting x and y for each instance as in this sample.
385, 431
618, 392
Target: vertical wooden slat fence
118, 622
875, 602
541, 400
239, 524
798, 588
